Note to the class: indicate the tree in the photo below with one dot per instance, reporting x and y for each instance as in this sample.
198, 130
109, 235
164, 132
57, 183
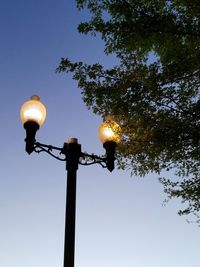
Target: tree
154, 90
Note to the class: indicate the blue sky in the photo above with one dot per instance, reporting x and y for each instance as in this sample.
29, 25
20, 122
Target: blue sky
120, 219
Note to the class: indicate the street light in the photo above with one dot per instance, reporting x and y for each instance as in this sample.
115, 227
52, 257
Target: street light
33, 114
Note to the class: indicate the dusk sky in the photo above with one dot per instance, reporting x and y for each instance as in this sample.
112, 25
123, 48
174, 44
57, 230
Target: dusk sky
121, 221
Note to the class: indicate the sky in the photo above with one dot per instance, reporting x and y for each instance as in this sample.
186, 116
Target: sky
121, 220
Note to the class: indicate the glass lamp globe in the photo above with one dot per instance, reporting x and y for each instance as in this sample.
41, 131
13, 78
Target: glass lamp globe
109, 130
33, 110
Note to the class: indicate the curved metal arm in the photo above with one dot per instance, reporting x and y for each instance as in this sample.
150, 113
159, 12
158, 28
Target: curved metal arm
71, 151
38, 147
87, 159
83, 158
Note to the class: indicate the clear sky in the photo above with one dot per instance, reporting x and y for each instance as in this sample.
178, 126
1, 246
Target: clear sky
120, 219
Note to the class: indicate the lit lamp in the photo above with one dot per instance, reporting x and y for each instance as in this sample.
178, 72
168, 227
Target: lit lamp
33, 114
110, 136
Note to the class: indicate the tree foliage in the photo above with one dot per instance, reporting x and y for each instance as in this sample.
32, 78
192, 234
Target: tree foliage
154, 90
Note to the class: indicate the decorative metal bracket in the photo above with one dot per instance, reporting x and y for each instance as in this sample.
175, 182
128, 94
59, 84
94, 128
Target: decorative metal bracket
70, 152
87, 159
58, 153
38, 148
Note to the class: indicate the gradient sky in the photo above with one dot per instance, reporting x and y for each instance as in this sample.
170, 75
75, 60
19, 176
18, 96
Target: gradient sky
120, 219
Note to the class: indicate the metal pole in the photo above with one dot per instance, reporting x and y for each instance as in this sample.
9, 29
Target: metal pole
72, 151
69, 246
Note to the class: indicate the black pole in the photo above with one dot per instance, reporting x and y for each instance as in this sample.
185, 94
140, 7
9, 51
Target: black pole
69, 246
72, 151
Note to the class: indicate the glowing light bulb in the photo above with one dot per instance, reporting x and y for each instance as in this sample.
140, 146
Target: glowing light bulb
109, 130
33, 110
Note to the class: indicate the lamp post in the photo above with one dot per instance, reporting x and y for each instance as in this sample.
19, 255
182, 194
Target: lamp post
33, 114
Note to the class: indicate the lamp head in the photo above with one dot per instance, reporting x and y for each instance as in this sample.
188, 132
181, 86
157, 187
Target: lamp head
110, 136
109, 130
33, 110
32, 114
